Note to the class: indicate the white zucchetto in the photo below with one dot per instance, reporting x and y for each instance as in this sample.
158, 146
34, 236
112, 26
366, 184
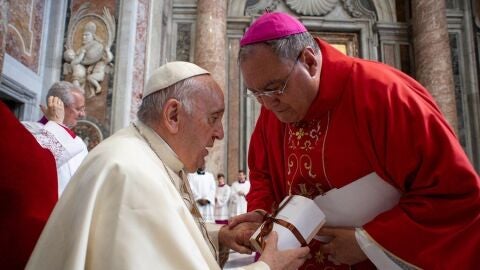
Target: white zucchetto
170, 74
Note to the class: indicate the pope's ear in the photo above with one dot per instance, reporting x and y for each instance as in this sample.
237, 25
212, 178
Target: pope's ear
170, 115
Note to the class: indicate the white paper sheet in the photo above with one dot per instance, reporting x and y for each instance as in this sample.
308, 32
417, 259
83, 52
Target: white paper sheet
358, 202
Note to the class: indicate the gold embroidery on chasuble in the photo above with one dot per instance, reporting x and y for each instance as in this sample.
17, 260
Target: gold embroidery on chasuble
304, 143
320, 257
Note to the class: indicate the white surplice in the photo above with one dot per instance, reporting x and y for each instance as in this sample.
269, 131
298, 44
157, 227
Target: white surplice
222, 195
238, 202
124, 209
69, 152
203, 187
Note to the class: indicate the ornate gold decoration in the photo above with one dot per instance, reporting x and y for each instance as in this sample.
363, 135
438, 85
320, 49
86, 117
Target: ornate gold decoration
319, 257
299, 134
304, 191
319, 188
303, 140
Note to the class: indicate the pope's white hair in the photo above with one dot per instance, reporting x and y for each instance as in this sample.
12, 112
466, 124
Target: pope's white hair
152, 105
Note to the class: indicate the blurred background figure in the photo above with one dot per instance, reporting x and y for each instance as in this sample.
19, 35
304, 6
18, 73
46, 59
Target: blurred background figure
203, 188
221, 200
239, 189
65, 106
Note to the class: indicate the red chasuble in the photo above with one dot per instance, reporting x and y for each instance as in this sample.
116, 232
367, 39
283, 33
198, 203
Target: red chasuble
369, 117
28, 190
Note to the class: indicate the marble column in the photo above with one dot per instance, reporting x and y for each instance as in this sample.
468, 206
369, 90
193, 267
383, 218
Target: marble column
3, 29
433, 63
124, 64
233, 103
210, 51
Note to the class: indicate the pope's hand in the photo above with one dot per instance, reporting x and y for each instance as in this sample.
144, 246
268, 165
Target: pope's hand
287, 259
55, 110
238, 237
343, 247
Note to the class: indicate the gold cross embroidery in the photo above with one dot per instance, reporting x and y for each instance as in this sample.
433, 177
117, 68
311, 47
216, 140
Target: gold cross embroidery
300, 133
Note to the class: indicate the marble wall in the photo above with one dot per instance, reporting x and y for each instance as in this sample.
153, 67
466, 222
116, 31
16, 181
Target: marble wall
3, 27
24, 31
140, 56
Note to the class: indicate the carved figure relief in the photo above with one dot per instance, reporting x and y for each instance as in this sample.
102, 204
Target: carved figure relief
260, 6
312, 7
87, 52
354, 8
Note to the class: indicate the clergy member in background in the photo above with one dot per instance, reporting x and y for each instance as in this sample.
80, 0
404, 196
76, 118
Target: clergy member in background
326, 121
239, 191
203, 188
222, 195
65, 106
28, 190
129, 205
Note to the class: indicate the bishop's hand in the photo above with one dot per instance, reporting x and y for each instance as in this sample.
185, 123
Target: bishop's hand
343, 246
55, 110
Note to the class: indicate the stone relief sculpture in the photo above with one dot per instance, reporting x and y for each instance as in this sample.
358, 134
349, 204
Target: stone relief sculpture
260, 6
354, 8
87, 62
312, 7
75, 68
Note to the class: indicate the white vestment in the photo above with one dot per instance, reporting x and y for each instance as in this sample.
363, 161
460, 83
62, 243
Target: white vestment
238, 202
123, 209
69, 152
203, 187
221, 202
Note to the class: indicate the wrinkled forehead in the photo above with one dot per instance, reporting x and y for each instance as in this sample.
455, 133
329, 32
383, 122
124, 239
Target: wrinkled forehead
250, 52
260, 54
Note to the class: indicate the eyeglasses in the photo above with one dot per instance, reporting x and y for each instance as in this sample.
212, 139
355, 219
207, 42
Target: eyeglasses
80, 109
270, 93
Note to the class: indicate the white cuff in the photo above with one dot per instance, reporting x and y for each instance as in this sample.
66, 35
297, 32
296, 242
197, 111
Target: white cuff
374, 252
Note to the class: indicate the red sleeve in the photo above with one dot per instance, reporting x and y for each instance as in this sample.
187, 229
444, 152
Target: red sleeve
28, 190
436, 224
69, 131
265, 163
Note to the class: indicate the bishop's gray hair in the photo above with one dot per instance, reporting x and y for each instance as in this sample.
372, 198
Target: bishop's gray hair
152, 105
63, 90
288, 47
